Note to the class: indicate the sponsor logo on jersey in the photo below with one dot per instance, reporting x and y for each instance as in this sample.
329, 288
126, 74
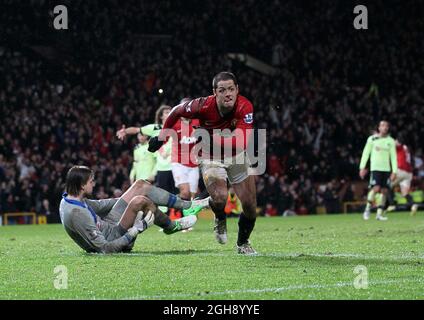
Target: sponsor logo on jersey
188, 140
377, 148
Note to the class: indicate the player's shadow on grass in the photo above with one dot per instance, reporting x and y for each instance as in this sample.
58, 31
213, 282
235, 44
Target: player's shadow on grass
155, 253
177, 252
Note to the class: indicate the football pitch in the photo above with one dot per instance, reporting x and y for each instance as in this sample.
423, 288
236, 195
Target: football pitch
304, 257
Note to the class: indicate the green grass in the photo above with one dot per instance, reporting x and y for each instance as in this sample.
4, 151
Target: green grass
311, 257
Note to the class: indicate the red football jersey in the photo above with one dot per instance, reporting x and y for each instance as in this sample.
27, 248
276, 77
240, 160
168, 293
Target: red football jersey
206, 110
403, 158
182, 147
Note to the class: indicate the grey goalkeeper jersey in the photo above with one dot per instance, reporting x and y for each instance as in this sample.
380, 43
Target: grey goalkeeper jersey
83, 222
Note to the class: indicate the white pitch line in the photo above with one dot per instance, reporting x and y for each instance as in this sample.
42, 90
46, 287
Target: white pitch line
275, 290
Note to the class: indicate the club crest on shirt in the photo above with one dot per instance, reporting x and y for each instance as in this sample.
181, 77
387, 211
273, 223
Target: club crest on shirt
248, 118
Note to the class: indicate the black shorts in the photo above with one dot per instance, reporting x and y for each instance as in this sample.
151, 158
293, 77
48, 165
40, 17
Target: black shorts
380, 178
165, 180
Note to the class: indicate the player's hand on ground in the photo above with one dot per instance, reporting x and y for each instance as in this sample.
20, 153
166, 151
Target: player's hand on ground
393, 177
121, 133
363, 173
154, 144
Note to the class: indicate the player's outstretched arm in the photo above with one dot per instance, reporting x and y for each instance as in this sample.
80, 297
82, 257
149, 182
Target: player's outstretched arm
123, 132
188, 110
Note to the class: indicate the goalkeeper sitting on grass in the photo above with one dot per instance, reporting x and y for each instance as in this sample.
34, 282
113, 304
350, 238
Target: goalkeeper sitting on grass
112, 225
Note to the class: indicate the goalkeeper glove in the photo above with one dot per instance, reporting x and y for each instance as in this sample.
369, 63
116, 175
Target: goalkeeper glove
142, 224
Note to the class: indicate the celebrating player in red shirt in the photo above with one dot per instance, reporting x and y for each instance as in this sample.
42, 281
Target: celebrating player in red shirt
404, 175
403, 157
184, 168
225, 109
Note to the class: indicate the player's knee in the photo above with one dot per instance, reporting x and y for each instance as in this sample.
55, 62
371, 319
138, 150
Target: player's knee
142, 186
140, 183
219, 202
138, 202
219, 195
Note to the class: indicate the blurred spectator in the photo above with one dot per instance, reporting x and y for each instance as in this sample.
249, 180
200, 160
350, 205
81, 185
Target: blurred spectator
285, 200
419, 164
331, 199
270, 210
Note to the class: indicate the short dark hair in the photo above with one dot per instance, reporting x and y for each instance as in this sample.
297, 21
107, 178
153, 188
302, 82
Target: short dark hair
77, 177
223, 76
383, 120
159, 113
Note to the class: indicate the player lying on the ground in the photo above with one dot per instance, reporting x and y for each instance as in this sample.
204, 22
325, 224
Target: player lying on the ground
225, 109
112, 225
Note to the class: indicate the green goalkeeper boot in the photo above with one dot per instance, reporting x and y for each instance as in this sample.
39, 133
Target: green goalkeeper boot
182, 224
196, 207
